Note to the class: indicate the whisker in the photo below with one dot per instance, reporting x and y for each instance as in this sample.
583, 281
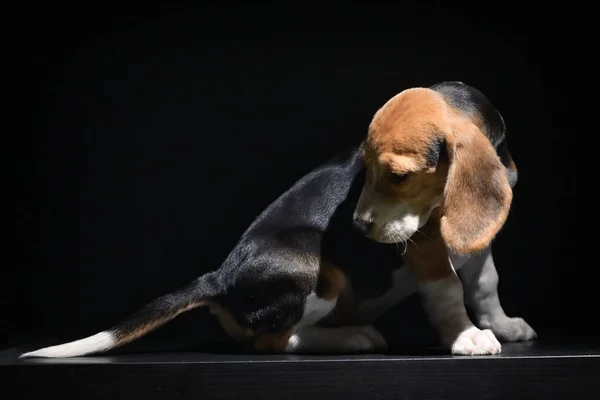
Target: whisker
405, 248
395, 239
402, 239
413, 242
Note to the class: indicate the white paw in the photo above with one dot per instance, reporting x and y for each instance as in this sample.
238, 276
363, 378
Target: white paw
476, 342
360, 339
510, 329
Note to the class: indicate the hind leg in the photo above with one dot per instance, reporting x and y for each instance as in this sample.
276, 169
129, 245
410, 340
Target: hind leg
279, 312
306, 337
344, 340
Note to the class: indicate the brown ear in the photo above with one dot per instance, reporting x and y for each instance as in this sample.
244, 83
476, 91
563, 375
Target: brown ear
477, 196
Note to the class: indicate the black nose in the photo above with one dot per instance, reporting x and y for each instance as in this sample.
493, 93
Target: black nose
362, 225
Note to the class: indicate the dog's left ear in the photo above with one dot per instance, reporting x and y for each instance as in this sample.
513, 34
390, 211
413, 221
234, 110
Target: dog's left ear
477, 196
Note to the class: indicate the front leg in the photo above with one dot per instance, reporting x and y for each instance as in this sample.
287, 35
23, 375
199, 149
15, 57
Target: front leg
443, 299
480, 280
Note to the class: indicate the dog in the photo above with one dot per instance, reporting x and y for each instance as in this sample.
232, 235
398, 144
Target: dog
422, 197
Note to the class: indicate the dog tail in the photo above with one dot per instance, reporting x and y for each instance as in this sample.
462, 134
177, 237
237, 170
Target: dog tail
151, 316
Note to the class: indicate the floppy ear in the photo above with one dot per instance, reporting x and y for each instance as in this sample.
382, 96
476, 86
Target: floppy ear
477, 196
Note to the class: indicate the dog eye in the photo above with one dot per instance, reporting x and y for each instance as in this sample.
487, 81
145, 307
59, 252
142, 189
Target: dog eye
396, 178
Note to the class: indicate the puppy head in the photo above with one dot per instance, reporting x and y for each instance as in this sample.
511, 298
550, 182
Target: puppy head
420, 154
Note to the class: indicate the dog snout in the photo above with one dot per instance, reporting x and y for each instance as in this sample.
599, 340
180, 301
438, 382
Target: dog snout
363, 225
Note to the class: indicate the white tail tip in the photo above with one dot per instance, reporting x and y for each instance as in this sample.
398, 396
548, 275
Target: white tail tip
92, 344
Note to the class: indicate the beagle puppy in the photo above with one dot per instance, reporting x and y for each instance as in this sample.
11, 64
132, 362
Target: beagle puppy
421, 198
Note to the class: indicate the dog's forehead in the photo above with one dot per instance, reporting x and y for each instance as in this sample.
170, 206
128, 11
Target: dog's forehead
408, 122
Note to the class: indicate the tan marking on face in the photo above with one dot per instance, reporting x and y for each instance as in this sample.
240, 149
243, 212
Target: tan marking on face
417, 190
472, 183
400, 136
403, 126
399, 164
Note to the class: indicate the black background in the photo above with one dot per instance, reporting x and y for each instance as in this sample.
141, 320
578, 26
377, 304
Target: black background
153, 136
